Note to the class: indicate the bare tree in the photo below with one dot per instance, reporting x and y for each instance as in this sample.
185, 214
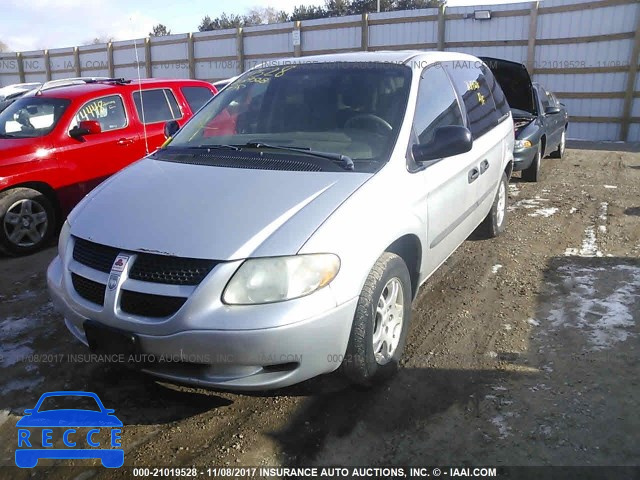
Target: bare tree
99, 40
265, 15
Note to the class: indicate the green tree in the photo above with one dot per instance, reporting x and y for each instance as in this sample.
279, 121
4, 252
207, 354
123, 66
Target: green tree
303, 12
159, 30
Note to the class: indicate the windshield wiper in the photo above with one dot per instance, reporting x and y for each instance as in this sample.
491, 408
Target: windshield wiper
342, 160
208, 147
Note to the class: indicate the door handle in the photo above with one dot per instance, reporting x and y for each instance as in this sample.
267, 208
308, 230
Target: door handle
484, 166
474, 173
125, 141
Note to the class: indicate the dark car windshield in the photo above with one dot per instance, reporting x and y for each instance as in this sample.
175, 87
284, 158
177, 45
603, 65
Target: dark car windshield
30, 117
352, 109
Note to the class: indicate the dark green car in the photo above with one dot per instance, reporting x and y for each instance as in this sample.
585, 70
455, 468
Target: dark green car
540, 120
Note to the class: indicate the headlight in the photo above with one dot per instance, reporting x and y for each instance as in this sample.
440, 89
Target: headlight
267, 280
523, 144
63, 239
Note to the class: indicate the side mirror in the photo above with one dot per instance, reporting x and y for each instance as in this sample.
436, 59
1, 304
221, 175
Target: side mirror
85, 127
551, 110
170, 128
446, 142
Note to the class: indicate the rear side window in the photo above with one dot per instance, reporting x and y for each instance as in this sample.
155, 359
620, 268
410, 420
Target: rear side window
437, 104
196, 97
157, 106
498, 95
472, 86
108, 111
544, 98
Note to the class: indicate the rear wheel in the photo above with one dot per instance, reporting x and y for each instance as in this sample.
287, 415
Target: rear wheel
495, 222
532, 174
381, 323
27, 221
559, 152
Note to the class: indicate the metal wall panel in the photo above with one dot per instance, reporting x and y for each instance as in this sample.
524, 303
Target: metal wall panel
336, 38
403, 33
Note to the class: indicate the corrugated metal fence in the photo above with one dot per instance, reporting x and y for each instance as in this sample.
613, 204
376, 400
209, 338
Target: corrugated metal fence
585, 52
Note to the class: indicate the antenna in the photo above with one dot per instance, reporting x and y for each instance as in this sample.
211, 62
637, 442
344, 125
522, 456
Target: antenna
144, 124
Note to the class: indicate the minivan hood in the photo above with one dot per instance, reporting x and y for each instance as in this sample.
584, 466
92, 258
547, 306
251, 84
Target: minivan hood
202, 211
515, 83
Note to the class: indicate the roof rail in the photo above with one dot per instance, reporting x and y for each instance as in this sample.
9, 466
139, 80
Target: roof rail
66, 82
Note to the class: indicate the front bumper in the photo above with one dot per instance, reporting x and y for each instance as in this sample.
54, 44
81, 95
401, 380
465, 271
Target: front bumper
524, 157
210, 344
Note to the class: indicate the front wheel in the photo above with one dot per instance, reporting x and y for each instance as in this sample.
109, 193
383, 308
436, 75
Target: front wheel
381, 323
532, 174
559, 152
27, 221
495, 222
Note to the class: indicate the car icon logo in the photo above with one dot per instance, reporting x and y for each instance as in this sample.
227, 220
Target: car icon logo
41, 426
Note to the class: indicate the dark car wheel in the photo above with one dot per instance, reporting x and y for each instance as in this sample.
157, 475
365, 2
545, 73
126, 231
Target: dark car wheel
381, 323
27, 221
495, 222
532, 174
559, 152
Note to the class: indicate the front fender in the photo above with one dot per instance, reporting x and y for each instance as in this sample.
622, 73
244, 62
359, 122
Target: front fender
366, 224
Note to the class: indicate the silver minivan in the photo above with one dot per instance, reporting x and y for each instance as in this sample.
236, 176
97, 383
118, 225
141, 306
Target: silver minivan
284, 231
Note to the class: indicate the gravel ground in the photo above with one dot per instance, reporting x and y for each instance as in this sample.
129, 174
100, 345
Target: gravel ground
523, 350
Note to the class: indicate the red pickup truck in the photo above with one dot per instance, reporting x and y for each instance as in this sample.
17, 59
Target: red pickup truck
59, 142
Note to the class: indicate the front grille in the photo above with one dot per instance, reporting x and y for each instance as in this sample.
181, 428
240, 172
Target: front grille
148, 267
170, 270
88, 289
148, 305
94, 255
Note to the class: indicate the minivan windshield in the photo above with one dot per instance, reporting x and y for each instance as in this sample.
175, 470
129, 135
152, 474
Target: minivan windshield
350, 109
30, 117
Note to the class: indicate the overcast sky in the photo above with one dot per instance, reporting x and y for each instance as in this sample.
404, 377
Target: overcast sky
37, 24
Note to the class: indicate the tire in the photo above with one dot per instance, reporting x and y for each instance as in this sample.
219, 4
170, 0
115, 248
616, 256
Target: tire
532, 174
27, 221
496, 221
368, 360
559, 152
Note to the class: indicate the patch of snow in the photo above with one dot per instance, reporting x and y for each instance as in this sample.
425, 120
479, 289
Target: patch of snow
503, 429
610, 186
573, 210
514, 191
544, 212
10, 354
602, 228
589, 246
533, 321
499, 388
507, 326
495, 268
604, 207
528, 203
601, 303
23, 384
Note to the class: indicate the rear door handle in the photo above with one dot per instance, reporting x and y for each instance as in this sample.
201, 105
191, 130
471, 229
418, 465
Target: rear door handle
484, 166
474, 173
126, 141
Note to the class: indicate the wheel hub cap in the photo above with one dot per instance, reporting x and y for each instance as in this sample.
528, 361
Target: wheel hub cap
502, 199
389, 317
25, 223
